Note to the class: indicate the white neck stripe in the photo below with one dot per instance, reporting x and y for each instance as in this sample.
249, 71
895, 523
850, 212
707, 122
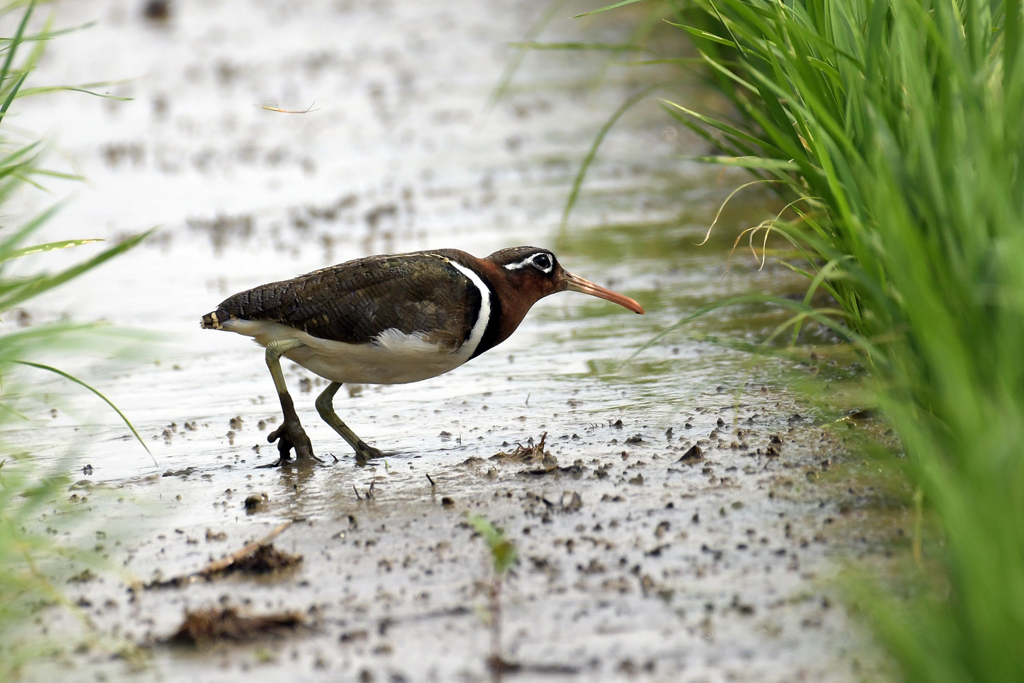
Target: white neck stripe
483, 316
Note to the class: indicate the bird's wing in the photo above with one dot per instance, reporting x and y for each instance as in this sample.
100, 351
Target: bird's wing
420, 293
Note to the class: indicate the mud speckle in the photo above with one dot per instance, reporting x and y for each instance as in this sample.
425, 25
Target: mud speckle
693, 454
255, 502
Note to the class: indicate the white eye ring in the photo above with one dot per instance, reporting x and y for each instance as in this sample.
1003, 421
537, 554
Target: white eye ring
531, 260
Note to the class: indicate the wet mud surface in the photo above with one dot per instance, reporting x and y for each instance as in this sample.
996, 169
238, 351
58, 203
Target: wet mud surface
637, 559
685, 516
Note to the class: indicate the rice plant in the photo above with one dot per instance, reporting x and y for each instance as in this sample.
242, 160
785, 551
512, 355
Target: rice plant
893, 130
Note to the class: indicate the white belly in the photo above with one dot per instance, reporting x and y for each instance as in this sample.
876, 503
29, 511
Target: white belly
392, 358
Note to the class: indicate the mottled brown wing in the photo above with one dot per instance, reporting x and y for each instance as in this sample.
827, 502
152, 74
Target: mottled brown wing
355, 301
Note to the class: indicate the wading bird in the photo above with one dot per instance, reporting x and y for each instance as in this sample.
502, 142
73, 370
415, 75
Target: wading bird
391, 320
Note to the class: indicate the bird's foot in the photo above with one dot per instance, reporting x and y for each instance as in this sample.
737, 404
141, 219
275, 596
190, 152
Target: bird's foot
365, 453
290, 435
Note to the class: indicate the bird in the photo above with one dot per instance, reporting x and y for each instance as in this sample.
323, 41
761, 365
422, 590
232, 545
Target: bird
390, 319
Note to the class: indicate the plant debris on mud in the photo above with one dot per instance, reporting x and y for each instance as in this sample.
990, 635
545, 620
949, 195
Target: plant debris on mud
258, 557
206, 626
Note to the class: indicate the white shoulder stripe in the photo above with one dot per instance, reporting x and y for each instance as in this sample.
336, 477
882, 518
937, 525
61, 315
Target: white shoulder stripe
484, 314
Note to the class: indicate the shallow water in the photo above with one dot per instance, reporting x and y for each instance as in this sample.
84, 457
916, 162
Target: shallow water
668, 571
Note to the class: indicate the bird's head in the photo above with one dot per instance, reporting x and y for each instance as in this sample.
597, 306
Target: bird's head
532, 273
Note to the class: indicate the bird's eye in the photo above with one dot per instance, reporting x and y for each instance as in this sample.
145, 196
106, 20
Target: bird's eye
542, 262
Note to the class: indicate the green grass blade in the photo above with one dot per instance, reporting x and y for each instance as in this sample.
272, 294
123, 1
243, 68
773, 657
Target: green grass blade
72, 378
732, 131
15, 42
729, 146
47, 282
824, 318
85, 89
748, 162
617, 47
705, 35
40, 248
513, 64
606, 8
679, 61
503, 552
8, 245
47, 35
595, 145
56, 174
11, 95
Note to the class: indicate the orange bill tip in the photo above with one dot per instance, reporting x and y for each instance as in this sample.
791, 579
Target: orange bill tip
578, 284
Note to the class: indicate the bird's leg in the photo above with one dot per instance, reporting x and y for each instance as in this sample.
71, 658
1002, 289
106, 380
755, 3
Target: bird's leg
290, 434
325, 406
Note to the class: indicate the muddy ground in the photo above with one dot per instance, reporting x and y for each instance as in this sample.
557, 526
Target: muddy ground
692, 516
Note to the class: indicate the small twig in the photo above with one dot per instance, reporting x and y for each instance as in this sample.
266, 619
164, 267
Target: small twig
288, 111
432, 484
369, 492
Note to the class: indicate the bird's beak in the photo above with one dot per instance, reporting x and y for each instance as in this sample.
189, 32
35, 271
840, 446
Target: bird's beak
578, 284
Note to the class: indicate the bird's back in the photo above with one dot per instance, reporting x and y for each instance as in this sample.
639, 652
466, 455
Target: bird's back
354, 302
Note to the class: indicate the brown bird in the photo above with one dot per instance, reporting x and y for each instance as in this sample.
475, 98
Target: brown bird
391, 319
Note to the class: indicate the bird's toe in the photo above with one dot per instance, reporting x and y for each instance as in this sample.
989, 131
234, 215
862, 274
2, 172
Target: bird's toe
291, 436
365, 453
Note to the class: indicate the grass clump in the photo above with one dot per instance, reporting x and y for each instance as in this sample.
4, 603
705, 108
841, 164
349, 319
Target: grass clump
25, 489
893, 130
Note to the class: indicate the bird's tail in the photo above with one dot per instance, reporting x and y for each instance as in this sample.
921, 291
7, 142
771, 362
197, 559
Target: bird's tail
216, 319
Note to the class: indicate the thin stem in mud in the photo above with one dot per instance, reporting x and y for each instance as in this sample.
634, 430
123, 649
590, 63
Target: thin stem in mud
503, 557
497, 661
